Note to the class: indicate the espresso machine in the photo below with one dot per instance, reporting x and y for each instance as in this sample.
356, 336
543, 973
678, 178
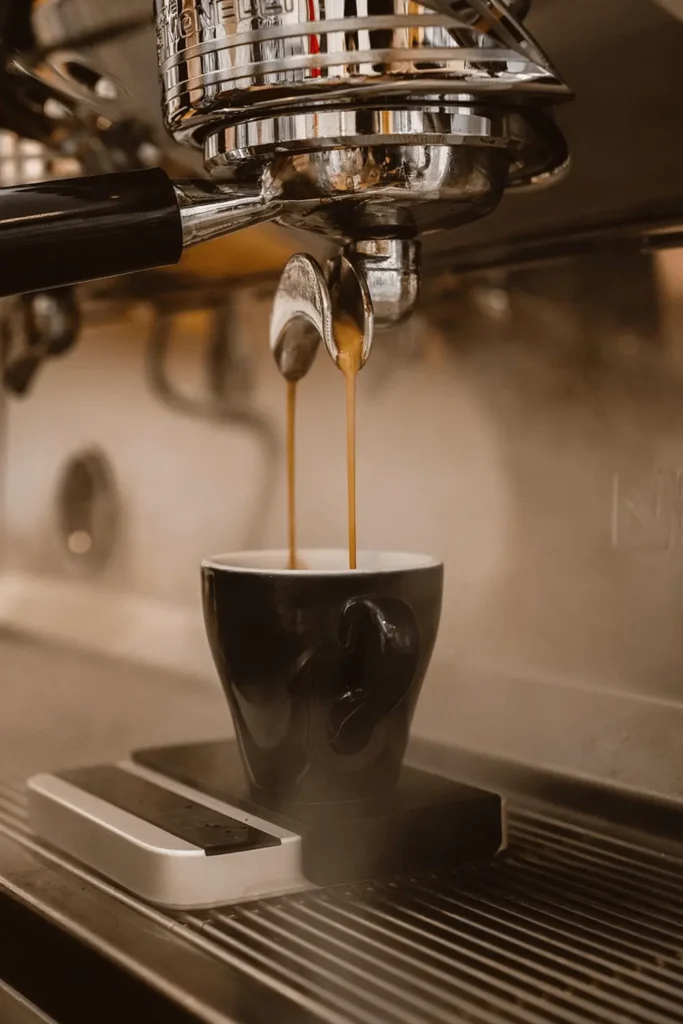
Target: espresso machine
451, 108
401, 146
447, 110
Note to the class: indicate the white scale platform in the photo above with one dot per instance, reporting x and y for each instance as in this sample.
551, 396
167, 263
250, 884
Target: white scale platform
177, 827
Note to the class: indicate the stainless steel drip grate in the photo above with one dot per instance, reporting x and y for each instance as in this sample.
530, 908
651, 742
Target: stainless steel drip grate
569, 927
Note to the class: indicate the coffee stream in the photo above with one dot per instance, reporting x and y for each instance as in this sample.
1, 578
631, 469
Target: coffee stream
349, 340
292, 562
350, 346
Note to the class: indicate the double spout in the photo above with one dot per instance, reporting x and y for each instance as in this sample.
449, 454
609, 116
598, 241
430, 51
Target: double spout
307, 307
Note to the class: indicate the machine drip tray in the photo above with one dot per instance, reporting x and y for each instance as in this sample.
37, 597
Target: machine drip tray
177, 826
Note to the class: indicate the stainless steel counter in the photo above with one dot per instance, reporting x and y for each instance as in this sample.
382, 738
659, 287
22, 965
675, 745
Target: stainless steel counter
570, 927
63, 707
576, 924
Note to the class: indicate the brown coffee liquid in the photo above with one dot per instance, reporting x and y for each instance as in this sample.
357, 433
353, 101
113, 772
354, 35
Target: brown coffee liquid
349, 340
292, 561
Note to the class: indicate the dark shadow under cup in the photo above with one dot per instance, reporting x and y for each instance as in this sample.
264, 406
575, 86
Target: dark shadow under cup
322, 667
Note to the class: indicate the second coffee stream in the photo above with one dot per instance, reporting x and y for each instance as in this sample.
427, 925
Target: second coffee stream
349, 339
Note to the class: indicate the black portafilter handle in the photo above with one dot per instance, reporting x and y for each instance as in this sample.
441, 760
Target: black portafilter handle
66, 231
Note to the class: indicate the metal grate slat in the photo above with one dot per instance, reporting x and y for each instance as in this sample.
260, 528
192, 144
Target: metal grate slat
539, 927
620, 901
329, 985
498, 967
557, 961
438, 1002
489, 992
549, 896
371, 975
431, 974
16, 801
599, 867
571, 927
8, 817
544, 828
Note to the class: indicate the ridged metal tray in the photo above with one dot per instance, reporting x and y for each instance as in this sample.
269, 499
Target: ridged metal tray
570, 926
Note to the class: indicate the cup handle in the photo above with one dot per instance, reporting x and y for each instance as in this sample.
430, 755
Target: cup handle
381, 641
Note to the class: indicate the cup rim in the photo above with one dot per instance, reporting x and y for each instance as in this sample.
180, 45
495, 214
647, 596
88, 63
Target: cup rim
390, 562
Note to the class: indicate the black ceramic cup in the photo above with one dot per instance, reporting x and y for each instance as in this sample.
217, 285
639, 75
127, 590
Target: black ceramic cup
322, 666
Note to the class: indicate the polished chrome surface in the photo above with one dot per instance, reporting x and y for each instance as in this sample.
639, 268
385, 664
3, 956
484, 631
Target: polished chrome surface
324, 128
418, 135
387, 191
391, 268
301, 316
351, 301
534, 146
403, 114
425, 132
208, 212
306, 306
624, 166
300, 132
572, 926
220, 58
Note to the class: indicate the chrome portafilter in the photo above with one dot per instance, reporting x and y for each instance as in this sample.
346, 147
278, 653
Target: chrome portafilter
372, 123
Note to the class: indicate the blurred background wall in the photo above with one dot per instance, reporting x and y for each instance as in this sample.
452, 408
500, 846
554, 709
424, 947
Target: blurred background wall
528, 429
